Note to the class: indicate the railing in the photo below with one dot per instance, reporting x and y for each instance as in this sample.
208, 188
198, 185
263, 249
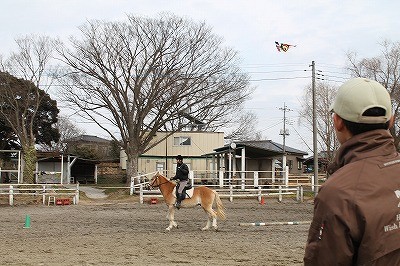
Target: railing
44, 191
243, 179
232, 193
223, 178
306, 180
257, 184
140, 179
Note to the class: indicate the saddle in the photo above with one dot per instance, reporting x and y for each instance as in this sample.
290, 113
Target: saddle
187, 191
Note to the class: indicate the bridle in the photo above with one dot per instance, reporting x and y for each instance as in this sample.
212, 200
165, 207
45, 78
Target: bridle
159, 184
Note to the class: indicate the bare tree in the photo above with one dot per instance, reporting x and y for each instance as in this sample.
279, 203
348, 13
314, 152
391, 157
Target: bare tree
31, 60
324, 96
244, 128
23, 98
67, 131
385, 69
145, 75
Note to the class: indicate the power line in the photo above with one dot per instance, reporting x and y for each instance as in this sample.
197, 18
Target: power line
301, 137
271, 126
276, 71
334, 72
331, 66
287, 78
270, 65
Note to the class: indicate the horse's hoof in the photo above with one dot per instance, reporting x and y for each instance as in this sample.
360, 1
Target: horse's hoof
215, 228
167, 229
204, 229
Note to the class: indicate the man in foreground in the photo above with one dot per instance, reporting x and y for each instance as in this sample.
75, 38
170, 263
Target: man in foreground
357, 210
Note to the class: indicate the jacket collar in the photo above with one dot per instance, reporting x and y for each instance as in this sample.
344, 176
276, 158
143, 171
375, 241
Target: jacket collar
361, 146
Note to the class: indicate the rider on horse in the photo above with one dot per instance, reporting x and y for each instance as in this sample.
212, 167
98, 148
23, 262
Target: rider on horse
182, 174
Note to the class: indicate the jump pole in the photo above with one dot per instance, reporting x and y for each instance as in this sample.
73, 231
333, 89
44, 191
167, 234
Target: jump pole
275, 223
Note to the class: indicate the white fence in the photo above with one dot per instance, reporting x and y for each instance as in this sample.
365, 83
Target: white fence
44, 191
250, 184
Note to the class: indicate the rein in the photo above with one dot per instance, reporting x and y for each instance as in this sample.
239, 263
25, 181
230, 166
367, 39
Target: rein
159, 185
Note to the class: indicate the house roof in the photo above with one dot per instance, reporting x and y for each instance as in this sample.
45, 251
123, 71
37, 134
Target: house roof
90, 138
272, 146
56, 157
261, 148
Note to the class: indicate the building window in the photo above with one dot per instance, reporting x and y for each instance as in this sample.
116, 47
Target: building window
182, 141
160, 166
299, 165
290, 164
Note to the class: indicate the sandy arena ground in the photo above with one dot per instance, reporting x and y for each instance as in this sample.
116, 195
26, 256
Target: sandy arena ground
115, 233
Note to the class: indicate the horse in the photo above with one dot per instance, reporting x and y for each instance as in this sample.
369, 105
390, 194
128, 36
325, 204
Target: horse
203, 196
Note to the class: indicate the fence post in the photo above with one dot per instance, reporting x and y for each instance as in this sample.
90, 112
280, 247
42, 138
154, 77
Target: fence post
255, 179
301, 194
259, 194
242, 180
273, 171
221, 178
280, 194
191, 177
131, 187
44, 195
11, 196
230, 192
77, 193
286, 176
312, 183
298, 193
141, 193
138, 181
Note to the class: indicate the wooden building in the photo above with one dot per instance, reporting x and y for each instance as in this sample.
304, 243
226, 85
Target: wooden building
192, 145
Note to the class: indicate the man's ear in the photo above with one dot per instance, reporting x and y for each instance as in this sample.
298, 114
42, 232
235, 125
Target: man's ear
338, 122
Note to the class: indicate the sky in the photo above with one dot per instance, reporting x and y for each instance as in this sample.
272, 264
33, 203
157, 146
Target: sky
324, 31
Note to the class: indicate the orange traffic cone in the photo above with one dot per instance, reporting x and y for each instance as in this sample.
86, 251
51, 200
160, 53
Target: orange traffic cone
262, 202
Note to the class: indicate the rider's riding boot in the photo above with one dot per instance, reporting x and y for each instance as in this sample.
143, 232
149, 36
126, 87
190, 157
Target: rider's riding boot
178, 200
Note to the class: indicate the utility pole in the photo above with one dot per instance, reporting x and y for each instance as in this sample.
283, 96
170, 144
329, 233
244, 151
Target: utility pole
315, 148
285, 133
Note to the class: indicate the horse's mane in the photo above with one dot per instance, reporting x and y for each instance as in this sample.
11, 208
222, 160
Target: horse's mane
158, 174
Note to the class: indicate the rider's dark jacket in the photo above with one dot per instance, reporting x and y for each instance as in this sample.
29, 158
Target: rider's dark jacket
182, 172
357, 210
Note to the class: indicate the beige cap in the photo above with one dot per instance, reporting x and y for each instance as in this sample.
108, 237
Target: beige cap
356, 96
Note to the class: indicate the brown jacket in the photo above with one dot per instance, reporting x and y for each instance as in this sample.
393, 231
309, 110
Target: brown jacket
357, 211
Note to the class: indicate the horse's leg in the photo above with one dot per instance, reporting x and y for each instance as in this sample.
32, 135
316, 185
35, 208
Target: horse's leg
214, 222
208, 223
212, 218
170, 217
207, 205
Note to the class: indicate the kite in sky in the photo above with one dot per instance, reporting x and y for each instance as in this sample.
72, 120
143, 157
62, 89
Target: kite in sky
283, 46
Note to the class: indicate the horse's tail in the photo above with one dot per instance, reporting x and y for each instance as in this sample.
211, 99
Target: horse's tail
220, 207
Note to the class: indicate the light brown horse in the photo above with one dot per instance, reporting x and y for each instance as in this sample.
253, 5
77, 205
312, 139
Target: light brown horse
202, 196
